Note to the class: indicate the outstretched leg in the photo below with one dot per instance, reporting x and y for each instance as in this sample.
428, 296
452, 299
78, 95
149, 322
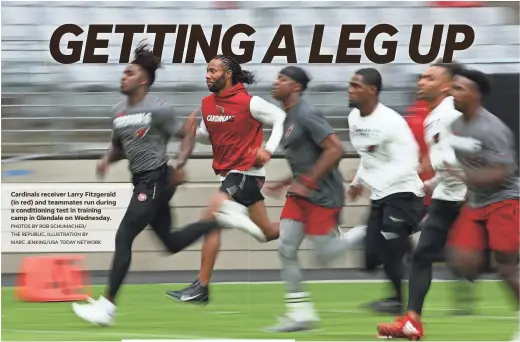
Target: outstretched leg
300, 314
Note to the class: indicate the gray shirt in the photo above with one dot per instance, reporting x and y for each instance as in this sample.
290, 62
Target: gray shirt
305, 129
498, 148
143, 132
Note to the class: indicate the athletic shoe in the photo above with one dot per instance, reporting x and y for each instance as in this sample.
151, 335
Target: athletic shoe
100, 312
195, 293
402, 327
286, 324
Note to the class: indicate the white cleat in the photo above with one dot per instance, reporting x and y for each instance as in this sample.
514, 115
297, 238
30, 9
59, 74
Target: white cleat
234, 215
99, 312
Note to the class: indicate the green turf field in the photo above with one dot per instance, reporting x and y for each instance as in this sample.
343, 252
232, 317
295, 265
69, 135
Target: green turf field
240, 312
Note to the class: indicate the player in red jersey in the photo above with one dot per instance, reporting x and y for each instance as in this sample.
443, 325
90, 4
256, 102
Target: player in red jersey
415, 118
232, 124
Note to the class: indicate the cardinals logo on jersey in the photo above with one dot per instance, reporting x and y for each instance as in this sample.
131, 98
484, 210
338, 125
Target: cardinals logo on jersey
288, 131
141, 132
220, 109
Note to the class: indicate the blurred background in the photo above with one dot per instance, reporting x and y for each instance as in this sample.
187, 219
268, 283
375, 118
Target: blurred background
46, 105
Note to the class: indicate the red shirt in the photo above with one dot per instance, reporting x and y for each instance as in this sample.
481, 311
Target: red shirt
415, 118
233, 131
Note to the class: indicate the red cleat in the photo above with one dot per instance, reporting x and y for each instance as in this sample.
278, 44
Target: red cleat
402, 327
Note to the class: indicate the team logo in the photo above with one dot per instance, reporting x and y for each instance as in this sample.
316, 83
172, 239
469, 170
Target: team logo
141, 132
220, 109
288, 131
220, 118
141, 197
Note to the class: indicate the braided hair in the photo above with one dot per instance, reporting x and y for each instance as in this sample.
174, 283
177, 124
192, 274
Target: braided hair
147, 60
238, 75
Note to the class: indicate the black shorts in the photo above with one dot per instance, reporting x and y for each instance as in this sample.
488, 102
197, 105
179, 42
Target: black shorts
403, 209
243, 189
395, 216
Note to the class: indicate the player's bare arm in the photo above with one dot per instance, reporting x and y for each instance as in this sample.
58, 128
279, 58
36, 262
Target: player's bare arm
115, 152
187, 135
329, 159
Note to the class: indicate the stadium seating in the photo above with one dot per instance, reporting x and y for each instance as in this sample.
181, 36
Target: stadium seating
28, 68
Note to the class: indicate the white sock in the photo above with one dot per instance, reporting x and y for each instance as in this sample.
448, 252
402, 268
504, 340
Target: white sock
300, 308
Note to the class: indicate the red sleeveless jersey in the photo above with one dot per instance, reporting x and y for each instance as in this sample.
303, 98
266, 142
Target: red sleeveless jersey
233, 131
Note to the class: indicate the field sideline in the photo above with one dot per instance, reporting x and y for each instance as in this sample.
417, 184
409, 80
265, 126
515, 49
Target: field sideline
241, 310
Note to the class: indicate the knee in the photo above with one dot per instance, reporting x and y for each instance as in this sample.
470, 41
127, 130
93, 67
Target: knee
286, 250
465, 263
123, 240
396, 241
322, 255
422, 256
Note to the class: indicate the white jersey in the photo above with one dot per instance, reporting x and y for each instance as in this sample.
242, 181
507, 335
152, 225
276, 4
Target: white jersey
437, 134
388, 151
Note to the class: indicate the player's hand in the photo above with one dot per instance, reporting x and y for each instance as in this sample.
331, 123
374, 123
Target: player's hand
466, 144
354, 192
102, 168
262, 157
178, 176
428, 187
274, 189
299, 189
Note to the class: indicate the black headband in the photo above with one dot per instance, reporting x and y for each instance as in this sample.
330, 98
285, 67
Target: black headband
297, 74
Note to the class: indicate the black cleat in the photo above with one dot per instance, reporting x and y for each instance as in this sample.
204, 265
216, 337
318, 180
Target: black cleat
195, 293
389, 306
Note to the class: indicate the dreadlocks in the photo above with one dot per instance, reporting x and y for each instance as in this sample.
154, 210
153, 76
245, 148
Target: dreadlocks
238, 75
146, 59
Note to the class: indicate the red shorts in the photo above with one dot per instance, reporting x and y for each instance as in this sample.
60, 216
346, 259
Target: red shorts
494, 226
318, 220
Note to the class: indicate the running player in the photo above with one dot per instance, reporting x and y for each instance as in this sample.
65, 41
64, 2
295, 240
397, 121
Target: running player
388, 167
315, 196
485, 147
233, 123
448, 192
142, 126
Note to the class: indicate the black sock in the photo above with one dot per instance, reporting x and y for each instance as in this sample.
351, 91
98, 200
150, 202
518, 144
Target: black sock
183, 237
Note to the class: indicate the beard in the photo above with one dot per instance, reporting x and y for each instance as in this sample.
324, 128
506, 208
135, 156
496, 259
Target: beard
217, 85
353, 105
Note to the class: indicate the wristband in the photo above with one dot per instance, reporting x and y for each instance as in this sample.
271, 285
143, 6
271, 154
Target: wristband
307, 182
